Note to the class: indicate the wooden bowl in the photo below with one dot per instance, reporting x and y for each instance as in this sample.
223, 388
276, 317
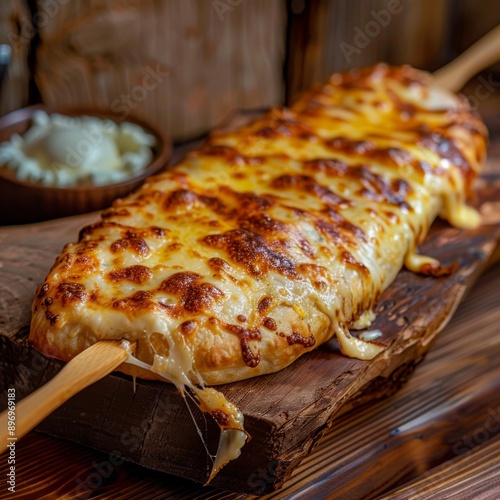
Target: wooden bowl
23, 201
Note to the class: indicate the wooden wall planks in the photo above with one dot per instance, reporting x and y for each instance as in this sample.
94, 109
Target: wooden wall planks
184, 65
16, 29
329, 36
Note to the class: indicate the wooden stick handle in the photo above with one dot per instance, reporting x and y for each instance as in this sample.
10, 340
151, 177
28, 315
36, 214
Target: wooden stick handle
88, 367
484, 53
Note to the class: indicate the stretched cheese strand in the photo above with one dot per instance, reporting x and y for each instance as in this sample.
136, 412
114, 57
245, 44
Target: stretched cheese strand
176, 369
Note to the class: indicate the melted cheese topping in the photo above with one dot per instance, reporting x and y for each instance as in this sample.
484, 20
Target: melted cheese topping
271, 239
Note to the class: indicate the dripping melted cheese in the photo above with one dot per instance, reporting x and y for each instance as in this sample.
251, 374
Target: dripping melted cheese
176, 369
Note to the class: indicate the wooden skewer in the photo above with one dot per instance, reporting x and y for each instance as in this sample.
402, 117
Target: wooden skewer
484, 53
88, 367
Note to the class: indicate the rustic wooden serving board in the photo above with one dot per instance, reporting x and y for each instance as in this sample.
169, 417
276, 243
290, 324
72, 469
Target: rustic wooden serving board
286, 413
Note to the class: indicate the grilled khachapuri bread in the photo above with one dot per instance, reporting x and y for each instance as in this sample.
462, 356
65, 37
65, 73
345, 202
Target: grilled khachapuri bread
270, 239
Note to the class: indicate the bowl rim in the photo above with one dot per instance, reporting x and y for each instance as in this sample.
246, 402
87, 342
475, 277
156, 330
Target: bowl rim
163, 147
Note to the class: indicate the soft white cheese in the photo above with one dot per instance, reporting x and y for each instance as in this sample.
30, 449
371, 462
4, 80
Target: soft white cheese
64, 151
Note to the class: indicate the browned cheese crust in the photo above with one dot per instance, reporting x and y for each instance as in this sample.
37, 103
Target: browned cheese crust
271, 239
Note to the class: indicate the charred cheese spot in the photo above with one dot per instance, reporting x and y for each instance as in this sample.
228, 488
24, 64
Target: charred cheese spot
270, 323
353, 263
377, 188
399, 157
66, 261
71, 292
319, 276
136, 274
230, 155
284, 123
188, 327
85, 247
115, 212
86, 262
351, 147
180, 283
221, 268
339, 230
174, 247
202, 297
218, 264
264, 305
245, 335
51, 317
136, 245
297, 338
309, 185
221, 417
215, 204
252, 252
137, 302
43, 290
371, 185
92, 229
157, 232
446, 149
250, 202
194, 296
182, 199
330, 167
306, 248
270, 133
264, 223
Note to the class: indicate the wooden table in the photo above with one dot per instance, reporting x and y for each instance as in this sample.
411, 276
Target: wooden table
438, 437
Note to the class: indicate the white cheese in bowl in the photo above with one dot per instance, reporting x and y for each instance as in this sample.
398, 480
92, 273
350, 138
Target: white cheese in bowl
65, 151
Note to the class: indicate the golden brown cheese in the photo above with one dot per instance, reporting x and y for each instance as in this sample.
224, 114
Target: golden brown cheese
271, 239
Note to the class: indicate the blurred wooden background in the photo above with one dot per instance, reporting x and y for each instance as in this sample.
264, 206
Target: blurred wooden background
184, 64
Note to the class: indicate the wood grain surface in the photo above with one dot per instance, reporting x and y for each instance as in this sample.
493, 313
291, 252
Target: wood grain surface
472, 475
286, 413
